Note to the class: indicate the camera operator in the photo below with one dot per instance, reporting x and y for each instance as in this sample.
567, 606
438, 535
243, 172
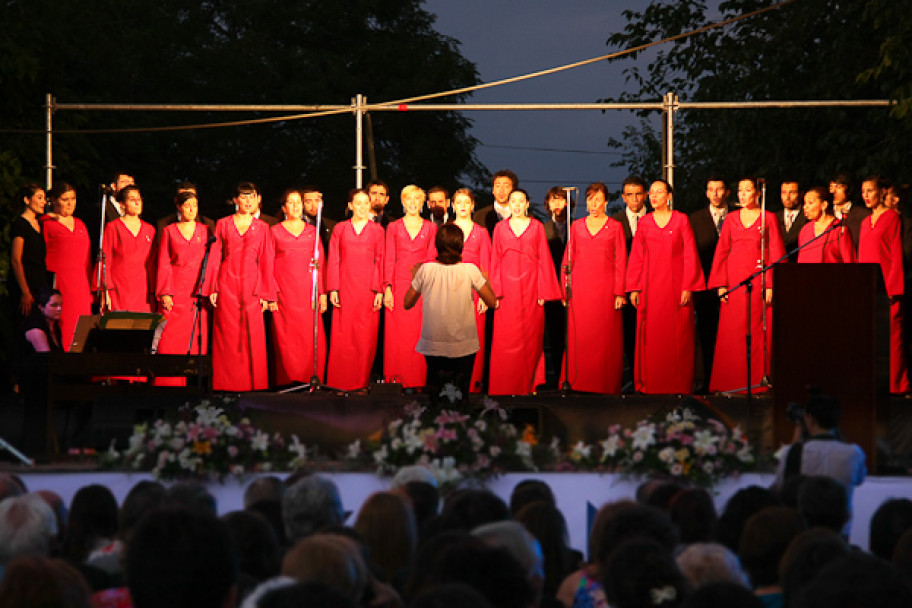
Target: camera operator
820, 449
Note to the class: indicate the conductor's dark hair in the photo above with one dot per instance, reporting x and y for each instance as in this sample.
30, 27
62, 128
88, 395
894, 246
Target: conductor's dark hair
449, 242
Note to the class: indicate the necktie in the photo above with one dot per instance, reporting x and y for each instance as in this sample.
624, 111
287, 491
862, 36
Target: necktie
788, 221
719, 221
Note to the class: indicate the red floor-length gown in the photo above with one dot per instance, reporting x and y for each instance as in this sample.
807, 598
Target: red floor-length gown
476, 249
355, 270
68, 258
663, 263
293, 338
179, 262
522, 272
243, 277
130, 266
833, 248
402, 329
594, 359
736, 258
881, 243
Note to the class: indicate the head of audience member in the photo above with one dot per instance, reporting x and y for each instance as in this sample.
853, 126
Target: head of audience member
717, 192
627, 522
806, 555
633, 191
722, 594
181, 558
555, 204
412, 198
10, 486
247, 199
596, 198
597, 533
451, 595
790, 194
311, 593
547, 524
58, 506
386, 523
39, 582
468, 509
190, 495
142, 498
187, 206
764, 540
267, 487
502, 184
788, 492
823, 502
311, 503
63, 199
312, 198
429, 552
27, 527
132, 201
331, 559
493, 571
856, 579
873, 191
92, 522
817, 203
661, 495
743, 503
378, 192
694, 513
705, 563
821, 414
121, 181
522, 545
255, 544
528, 491
890, 520
438, 201
425, 501
902, 554
841, 188
642, 572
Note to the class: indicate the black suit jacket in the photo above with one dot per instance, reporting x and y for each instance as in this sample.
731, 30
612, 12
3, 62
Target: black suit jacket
487, 217
111, 212
557, 239
326, 229
853, 221
621, 216
706, 237
790, 238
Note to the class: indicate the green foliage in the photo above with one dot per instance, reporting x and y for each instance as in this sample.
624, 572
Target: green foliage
807, 50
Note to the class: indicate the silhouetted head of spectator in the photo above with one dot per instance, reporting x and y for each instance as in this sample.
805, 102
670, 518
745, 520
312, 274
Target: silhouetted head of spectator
268, 487
902, 554
764, 540
311, 593
642, 572
255, 544
743, 503
428, 555
823, 501
27, 527
272, 511
58, 506
310, 504
694, 513
331, 559
807, 554
32, 582
528, 491
468, 509
662, 494
451, 595
856, 579
10, 486
525, 548
386, 522
93, 521
180, 558
705, 563
722, 594
605, 516
788, 492
547, 524
425, 500
889, 521
142, 498
636, 522
190, 495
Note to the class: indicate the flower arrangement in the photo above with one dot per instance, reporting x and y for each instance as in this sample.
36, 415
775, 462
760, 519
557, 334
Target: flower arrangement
204, 443
455, 446
680, 446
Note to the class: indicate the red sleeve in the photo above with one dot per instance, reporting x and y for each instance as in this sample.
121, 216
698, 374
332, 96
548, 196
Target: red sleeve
636, 263
692, 275
377, 284
893, 269
846, 246
548, 288
432, 241
266, 284
215, 260
332, 260
485, 250
496, 253
718, 276
389, 254
107, 250
163, 273
776, 245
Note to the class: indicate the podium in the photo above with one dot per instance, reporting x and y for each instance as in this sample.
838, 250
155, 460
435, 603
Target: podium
831, 328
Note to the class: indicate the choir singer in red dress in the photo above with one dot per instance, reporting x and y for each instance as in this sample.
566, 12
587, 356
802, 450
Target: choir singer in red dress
597, 256
244, 287
523, 278
128, 255
833, 247
880, 242
354, 280
662, 274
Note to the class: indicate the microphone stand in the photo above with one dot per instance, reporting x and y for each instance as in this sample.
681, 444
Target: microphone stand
197, 324
566, 387
101, 272
764, 380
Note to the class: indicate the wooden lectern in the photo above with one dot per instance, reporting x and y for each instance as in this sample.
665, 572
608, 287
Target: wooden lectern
831, 328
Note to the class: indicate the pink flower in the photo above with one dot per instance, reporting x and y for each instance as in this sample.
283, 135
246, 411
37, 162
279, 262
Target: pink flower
232, 451
210, 433
687, 439
193, 432
445, 435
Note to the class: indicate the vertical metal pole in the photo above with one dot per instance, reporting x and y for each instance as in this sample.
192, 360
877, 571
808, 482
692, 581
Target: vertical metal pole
358, 103
49, 142
669, 107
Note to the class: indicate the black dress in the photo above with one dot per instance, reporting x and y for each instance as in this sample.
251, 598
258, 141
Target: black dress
33, 261
32, 372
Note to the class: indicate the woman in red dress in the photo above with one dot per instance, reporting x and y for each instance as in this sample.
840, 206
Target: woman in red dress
597, 254
523, 278
662, 274
293, 319
68, 248
835, 246
736, 259
880, 242
128, 256
409, 241
354, 280
243, 288
180, 258
476, 249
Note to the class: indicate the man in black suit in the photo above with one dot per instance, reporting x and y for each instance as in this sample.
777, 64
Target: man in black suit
438, 205
791, 219
379, 196
313, 206
633, 191
844, 209
706, 224
504, 182
113, 209
555, 313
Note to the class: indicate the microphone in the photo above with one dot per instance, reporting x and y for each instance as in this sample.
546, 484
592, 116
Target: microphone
211, 240
106, 189
761, 181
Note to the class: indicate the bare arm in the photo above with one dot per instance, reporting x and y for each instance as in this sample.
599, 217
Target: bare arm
487, 295
38, 339
411, 297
